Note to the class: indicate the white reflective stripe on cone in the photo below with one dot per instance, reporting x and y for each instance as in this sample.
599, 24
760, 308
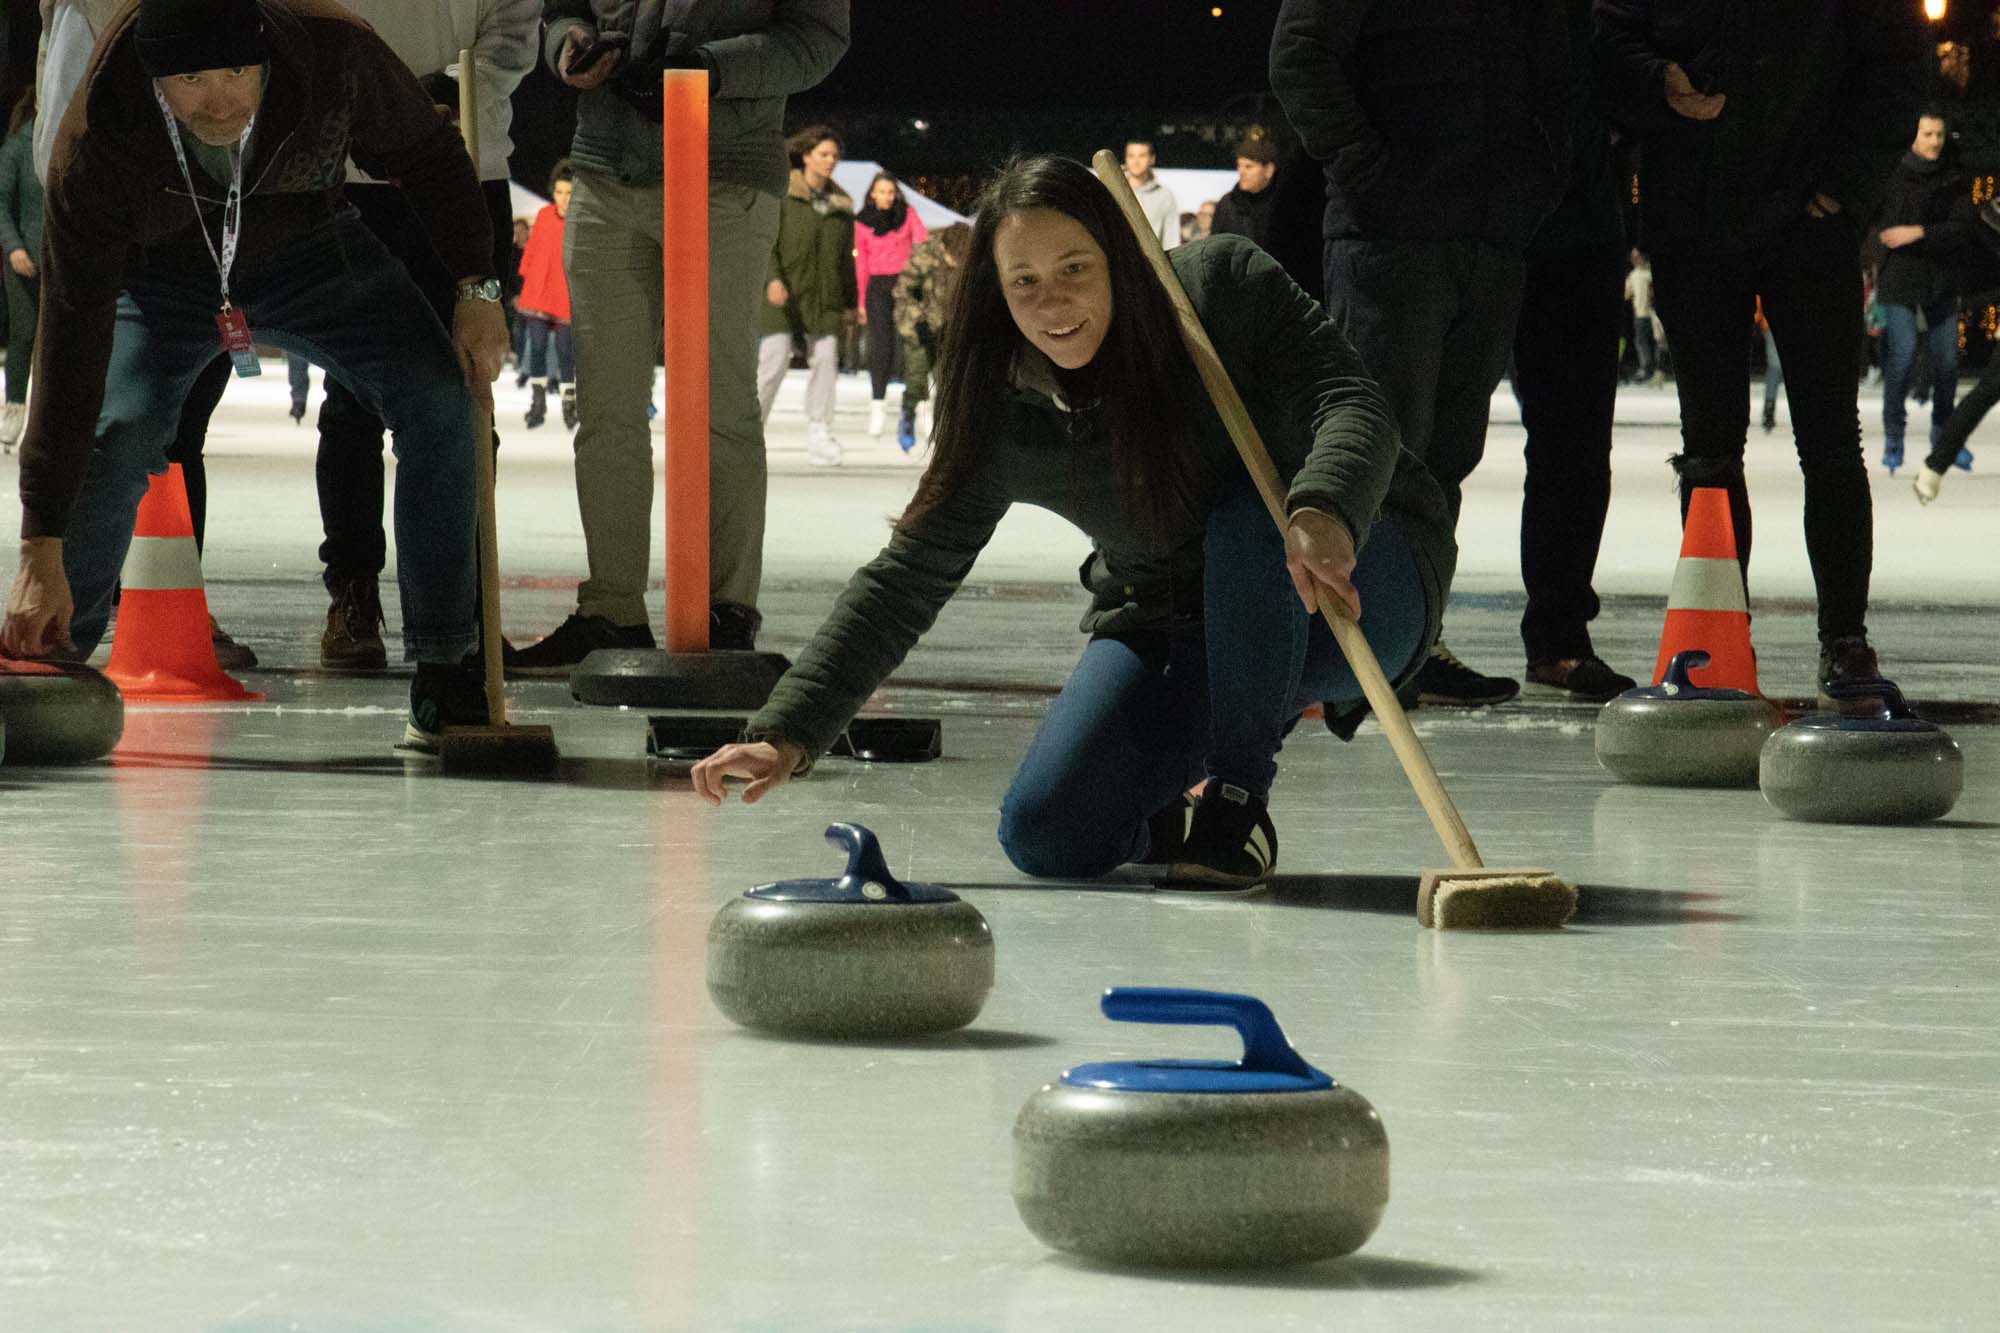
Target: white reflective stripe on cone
161, 564
1704, 584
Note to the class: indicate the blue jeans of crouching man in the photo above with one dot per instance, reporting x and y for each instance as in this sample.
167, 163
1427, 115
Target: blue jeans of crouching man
337, 298
1145, 716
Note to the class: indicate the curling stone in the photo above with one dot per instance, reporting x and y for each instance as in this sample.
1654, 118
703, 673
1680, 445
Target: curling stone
859, 956
1200, 1163
1873, 762
58, 712
1679, 734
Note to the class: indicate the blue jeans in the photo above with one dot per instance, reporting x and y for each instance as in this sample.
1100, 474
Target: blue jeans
1899, 357
336, 298
551, 351
298, 372
1145, 716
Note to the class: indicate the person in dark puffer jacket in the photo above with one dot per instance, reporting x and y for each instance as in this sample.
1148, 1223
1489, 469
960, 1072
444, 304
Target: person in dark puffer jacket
1766, 137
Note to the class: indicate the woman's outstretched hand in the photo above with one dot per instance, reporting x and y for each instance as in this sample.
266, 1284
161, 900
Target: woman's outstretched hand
763, 765
1319, 549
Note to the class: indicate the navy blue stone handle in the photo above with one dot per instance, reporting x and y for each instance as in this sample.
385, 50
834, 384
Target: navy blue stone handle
1867, 689
864, 860
1676, 679
1265, 1050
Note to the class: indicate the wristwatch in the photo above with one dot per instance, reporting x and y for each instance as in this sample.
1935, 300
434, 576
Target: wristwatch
479, 289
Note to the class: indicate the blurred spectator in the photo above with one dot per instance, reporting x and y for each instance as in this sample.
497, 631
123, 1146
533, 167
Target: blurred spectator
511, 281
298, 379
1925, 227
1246, 209
923, 300
1566, 378
1774, 372
1155, 199
885, 231
1205, 218
20, 243
1190, 227
812, 293
755, 55
547, 346
1756, 186
1443, 131
1645, 321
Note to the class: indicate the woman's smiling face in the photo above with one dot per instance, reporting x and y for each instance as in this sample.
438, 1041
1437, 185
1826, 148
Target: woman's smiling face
1057, 283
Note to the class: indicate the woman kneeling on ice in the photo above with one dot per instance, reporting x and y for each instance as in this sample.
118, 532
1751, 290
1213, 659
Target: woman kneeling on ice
1063, 383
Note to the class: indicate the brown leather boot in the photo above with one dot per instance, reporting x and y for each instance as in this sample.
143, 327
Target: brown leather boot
353, 639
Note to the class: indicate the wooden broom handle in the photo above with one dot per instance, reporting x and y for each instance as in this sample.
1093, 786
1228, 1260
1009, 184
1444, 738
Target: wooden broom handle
1437, 803
482, 450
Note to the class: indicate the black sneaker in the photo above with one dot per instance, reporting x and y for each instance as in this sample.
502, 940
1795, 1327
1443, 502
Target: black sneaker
732, 627
442, 696
1588, 679
1443, 679
1231, 842
1167, 831
1845, 658
575, 639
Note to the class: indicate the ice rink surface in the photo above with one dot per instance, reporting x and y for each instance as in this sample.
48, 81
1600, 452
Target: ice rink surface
293, 1037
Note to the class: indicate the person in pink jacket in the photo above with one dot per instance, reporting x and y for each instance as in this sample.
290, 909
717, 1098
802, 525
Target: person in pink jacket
885, 231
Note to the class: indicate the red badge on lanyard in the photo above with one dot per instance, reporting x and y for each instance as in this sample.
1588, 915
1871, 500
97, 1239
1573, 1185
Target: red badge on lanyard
230, 321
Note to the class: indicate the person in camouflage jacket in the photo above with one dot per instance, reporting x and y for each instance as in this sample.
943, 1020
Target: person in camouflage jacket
923, 294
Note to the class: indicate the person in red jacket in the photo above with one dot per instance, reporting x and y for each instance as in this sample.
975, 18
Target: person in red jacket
885, 231
544, 305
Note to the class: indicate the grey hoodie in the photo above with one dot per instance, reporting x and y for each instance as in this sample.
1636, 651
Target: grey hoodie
757, 52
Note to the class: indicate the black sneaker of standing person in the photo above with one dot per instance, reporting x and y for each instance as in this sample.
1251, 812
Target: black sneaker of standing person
1845, 658
1231, 842
1443, 679
573, 640
1588, 679
569, 406
538, 408
443, 696
732, 627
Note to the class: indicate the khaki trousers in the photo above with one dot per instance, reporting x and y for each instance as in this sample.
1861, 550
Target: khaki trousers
611, 253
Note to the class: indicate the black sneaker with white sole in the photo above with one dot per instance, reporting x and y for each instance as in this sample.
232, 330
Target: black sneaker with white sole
1231, 843
1167, 831
1443, 679
443, 696
575, 639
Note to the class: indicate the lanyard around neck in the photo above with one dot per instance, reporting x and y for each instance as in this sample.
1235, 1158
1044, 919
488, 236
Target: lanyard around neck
232, 207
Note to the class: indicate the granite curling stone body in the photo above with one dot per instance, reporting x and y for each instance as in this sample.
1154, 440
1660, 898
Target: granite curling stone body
859, 956
58, 712
1678, 734
1194, 1163
1873, 762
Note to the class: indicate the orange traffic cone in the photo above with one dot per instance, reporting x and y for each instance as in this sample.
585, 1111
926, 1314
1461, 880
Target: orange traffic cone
1707, 608
161, 650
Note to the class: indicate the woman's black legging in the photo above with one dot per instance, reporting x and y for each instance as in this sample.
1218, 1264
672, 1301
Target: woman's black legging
882, 338
1966, 416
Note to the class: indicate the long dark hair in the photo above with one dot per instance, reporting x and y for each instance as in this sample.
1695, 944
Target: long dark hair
882, 221
1142, 367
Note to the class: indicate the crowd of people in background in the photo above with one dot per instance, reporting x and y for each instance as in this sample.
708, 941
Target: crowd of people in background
1464, 173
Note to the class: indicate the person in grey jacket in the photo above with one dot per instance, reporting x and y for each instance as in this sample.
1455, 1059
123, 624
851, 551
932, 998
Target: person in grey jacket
757, 53
1064, 385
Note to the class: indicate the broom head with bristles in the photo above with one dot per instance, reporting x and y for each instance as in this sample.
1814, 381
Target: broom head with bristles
498, 750
1492, 898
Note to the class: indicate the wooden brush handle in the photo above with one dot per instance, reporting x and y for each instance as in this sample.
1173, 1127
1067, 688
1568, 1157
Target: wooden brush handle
482, 450
1389, 712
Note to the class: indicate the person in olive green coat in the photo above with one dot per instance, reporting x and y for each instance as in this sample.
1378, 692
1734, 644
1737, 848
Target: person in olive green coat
812, 292
1064, 384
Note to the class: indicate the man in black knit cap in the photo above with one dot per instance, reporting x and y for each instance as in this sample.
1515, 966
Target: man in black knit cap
194, 205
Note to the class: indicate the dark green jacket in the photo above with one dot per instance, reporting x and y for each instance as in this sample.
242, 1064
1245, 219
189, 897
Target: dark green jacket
757, 52
814, 258
20, 195
1325, 422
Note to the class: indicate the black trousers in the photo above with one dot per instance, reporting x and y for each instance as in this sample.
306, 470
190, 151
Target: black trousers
193, 434
349, 465
1810, 281
1965, 418
1432, 321
882, 340
1566, 379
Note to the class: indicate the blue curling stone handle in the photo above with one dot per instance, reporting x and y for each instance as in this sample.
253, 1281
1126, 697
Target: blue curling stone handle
866, 879
1269, 1063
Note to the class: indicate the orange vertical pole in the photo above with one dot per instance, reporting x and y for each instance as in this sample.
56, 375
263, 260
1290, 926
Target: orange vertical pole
684, 264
